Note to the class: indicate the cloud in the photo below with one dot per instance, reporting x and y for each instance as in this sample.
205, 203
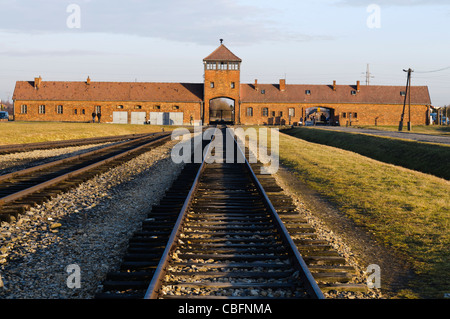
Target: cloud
195, 21
51, 53
392, 3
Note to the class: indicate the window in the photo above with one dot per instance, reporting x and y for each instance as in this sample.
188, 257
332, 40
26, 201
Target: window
291, 112
75, 111
403, 93
281, 113
263, 91
355, 115
23, 109
41, 109
308, 92
120, 106
98, 109
175, 107
265, 111
353, 92
83, 111
249, 111
344, 115
273, 113
157, 107
232, 85
59, 109
211, 85
138, 107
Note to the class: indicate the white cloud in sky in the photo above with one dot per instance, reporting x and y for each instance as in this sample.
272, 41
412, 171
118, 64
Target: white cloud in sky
391, 3
194, 21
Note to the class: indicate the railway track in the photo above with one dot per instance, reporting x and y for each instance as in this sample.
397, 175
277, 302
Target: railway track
215, 235
27, 147
25, 188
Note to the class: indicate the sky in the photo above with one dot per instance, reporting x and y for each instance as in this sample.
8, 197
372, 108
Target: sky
302, 41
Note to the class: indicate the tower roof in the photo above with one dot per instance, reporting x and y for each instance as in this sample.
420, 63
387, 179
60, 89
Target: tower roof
222, 53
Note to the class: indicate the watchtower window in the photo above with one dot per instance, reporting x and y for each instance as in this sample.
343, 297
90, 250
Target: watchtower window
223, 66
211, 65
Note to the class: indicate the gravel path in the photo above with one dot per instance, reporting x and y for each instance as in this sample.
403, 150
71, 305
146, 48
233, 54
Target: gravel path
88, 227
427, 138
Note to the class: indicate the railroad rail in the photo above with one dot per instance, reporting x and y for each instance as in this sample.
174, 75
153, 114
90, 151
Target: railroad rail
26, 147
23, 189
214, 235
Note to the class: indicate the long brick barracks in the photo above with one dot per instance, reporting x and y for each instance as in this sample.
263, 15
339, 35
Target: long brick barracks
221, 98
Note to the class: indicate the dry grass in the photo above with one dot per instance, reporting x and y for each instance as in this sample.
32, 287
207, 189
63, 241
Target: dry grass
406, 210
31, 132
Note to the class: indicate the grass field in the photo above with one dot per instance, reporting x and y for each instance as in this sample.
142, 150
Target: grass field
31, 132
406, 210
424, 157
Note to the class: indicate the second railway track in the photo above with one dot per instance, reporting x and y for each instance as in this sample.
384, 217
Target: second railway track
22, 189
219, 238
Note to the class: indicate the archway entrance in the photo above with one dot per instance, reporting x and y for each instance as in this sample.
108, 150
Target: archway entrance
319, 115
221, 110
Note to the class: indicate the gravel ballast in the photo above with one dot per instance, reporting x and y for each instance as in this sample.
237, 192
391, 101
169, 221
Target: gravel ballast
85, 229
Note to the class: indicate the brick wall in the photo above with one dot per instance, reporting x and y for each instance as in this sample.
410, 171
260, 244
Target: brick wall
81, 111
222, 80
369, 114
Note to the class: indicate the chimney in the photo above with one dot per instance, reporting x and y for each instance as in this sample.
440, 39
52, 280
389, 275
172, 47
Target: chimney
334, 85
88, 81
256, 85
282, 85
37, 82
358, 85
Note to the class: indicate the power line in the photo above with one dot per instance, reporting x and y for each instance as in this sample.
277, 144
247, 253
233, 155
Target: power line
443, 69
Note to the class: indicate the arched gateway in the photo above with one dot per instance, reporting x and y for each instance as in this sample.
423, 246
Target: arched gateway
221, 110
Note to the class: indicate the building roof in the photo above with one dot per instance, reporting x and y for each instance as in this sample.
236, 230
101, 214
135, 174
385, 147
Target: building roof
222, 53
368, 94
193, 92
109, 91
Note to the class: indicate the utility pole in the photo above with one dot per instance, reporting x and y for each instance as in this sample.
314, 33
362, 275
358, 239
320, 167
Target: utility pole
368, 75
408, 94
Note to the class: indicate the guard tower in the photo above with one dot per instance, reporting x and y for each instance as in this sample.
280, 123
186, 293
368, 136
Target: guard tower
222, 86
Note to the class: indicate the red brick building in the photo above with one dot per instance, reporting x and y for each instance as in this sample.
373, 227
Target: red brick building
221, 97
